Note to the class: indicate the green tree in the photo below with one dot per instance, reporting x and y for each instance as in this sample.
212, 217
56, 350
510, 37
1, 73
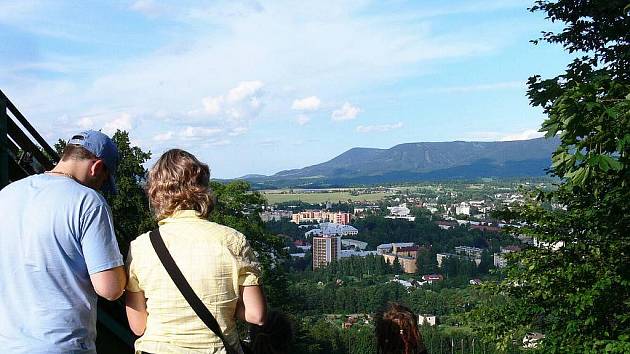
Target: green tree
575, 286
59, 146
130, 207
426, 261
486, 264
396, 266
360, 339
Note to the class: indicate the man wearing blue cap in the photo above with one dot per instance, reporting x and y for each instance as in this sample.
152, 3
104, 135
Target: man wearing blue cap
58, 251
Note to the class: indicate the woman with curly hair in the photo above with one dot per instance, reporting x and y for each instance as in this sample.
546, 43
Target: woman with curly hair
397, 331
217, 262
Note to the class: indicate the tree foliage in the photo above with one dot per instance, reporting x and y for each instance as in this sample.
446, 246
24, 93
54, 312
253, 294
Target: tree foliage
130, 207
354, 266
575, 286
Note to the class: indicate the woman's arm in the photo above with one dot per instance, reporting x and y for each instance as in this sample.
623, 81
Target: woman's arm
136, 311
252, 306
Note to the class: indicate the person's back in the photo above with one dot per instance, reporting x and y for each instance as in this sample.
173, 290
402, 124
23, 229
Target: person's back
47, 296
57, 252
215, 260
210, 256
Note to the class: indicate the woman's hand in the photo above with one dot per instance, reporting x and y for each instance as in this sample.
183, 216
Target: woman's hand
136, 307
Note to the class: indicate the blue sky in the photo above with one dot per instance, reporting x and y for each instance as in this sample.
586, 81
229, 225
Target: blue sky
262, 86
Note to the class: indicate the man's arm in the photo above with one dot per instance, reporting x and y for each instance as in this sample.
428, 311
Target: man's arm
252, 306
110, 283
136, 311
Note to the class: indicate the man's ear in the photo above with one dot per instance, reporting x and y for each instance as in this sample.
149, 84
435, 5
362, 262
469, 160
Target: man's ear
97, 168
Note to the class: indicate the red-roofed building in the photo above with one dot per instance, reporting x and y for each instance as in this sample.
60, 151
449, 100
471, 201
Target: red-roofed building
432, 277
411, 251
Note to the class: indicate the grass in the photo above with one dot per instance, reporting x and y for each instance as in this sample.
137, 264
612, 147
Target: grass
454, 331
322, 197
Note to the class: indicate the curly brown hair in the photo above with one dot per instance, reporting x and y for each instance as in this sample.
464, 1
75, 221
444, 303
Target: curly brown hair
397, 331
179, 181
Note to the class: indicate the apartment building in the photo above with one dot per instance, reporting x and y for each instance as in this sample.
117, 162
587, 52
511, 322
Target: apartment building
406, 255
309, 216
325, 250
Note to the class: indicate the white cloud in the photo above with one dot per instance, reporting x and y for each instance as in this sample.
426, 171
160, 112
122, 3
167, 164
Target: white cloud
213, 58
378, 128
220, 142
346, 112
498, 136
524, 135
306, 104
198, 132
379, 52
147, 7
124, 122
86, 123
302, 119
244, 90
164, 136
212, 105
238, 131
237, 107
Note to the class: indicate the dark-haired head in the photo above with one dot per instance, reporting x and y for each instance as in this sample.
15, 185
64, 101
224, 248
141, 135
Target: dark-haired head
397, 331
274, 337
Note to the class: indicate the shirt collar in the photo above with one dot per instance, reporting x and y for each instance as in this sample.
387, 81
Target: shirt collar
181, 215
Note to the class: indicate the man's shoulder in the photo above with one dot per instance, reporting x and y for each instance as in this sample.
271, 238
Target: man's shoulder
17, 186
81, 195
51, 185
62, 190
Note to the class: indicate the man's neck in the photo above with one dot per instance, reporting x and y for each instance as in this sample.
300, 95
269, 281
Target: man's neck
74, 169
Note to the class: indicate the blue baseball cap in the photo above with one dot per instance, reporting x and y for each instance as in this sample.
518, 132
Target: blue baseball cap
104, 148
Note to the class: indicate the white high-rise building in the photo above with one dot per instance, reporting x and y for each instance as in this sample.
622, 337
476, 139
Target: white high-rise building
325, 250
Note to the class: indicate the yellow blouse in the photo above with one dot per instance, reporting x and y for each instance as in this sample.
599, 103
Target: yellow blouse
215, 260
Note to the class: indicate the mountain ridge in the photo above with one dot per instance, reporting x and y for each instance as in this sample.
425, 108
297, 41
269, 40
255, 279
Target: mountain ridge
426, 160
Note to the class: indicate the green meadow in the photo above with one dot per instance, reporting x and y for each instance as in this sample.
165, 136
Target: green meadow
281, 196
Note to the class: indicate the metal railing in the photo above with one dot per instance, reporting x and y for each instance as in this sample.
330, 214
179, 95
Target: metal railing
4, 147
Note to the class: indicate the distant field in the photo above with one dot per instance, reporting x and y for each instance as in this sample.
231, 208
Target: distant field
274, 197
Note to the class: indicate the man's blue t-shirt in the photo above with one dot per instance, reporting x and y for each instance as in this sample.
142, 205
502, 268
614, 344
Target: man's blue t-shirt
54, 233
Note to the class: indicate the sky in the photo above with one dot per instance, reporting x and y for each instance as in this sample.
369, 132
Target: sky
256, 87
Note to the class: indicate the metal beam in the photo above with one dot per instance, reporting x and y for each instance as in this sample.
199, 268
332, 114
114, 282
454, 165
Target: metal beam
20, 118
4, 147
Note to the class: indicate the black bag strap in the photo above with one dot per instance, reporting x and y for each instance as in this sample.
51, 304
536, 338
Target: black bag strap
184, 287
